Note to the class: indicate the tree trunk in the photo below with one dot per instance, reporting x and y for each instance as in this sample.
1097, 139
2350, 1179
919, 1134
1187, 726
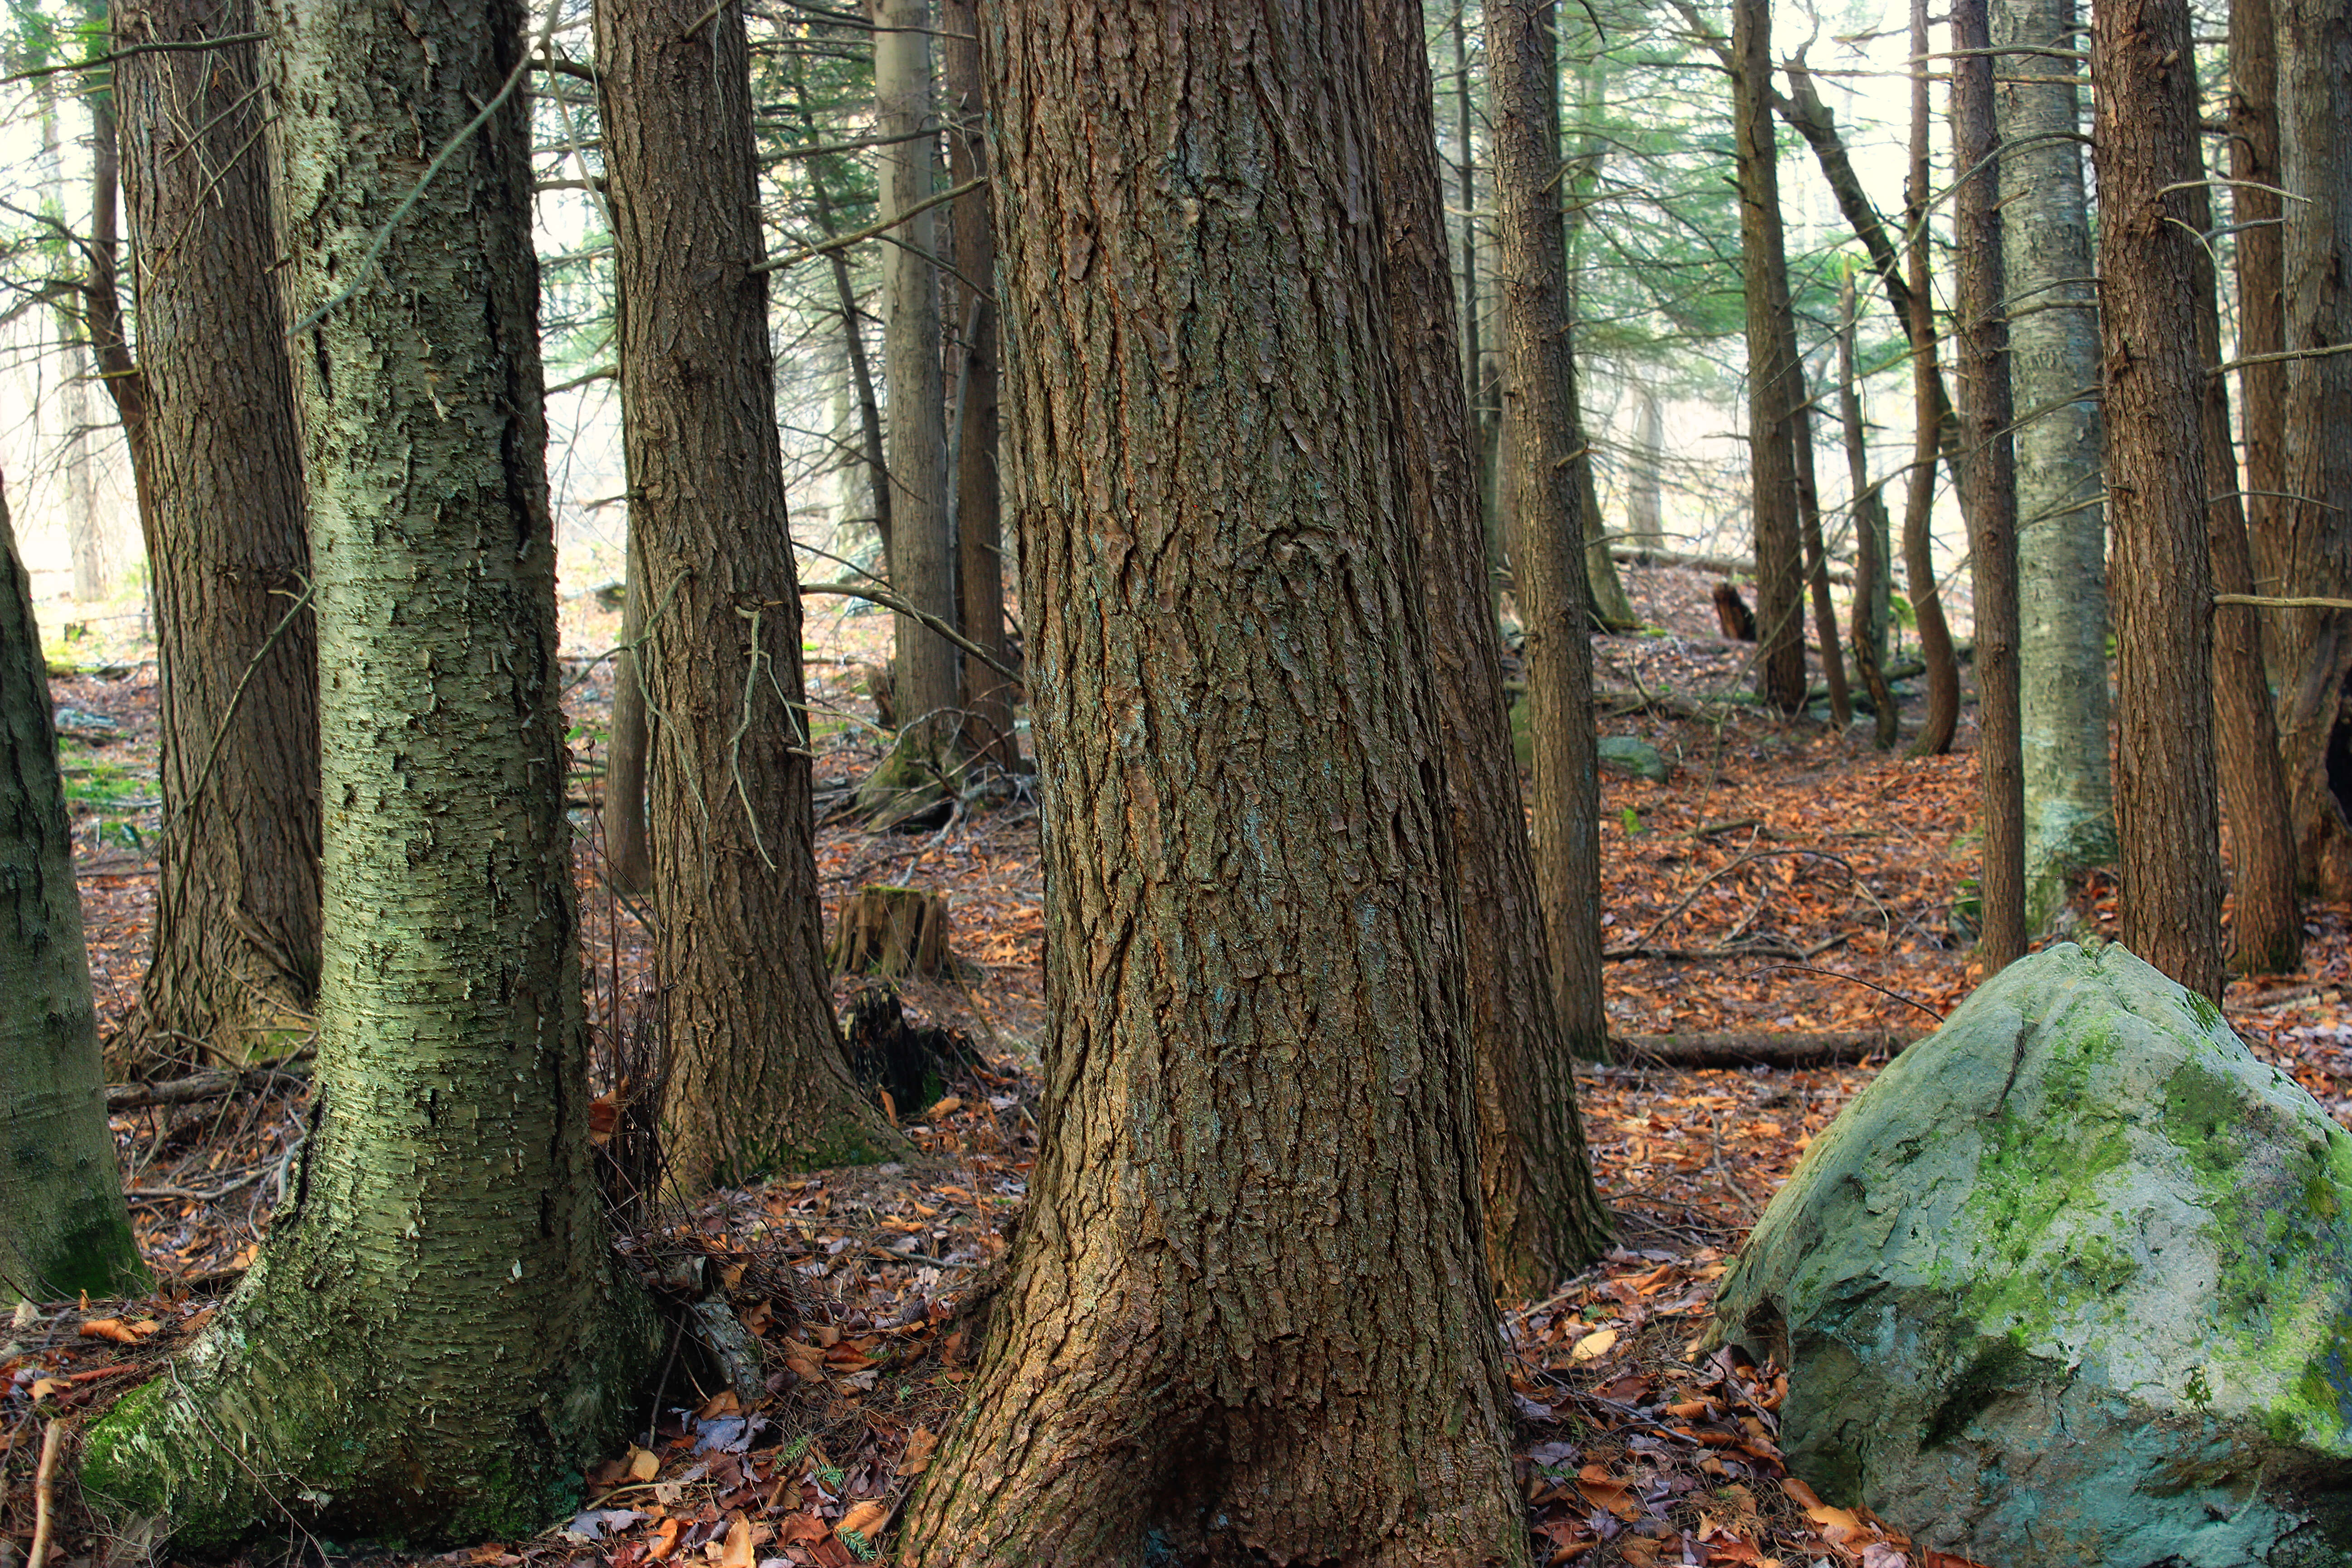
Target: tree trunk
85, 535
436, 1337
756, 1079
2053, 358
1646, 525
2260, 242
2315, 68
235, 961
1246, 1317
2266, 918
892, 932
861, 373
1544, 1218
1870, 533
1934, 423
1771, 368
1991, 473
1603, 591
2144, 143
1474, 354
629, 835
1547, 567
1809, 513
980, 534
922, 556
63, 1226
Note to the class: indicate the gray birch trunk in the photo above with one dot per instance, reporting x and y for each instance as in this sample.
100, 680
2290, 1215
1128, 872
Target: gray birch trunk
85, 535
2054, 342
436, 1337
63, 1226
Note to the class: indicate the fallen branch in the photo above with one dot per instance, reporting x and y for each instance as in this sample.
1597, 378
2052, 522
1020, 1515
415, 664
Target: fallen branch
1763, 1049
44, 1493
1766, 948
212, 1083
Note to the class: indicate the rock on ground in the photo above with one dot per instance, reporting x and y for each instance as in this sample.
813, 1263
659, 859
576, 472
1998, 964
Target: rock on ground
2071, 1282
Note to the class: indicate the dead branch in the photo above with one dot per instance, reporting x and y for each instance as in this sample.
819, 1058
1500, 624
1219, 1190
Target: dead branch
45, 1513
1836, 1047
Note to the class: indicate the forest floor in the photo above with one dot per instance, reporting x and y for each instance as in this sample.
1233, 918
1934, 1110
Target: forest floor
1798, 881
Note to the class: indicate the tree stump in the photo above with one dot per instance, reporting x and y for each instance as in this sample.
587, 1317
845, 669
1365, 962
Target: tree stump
894, 932
909, 1064
1731, 611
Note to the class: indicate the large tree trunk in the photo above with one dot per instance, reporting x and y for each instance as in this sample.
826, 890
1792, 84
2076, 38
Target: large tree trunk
2266, 918
1544, 1218
1991, 471
63, 1226
1246, 1317
922, 557
1771, 368
1548, 572
2053, 357
756, 1078
979, 515
1935, 430
2144, 142
2315, 67
436, 1337
2255, 210
235, 961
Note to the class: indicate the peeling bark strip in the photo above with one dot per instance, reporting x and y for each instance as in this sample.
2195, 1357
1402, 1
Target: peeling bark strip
1246, 1313
757, 1080
435, 1337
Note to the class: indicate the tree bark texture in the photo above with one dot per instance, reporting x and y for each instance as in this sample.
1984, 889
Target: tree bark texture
1548, 571
1808, 515
436, 1337
1544, 1217
234, 958
1604, 592
1990, 491
2252, 116
2315, 67
63, 1226
2144, 143
628, 833
2053, 359
922, 555
1935, 430
1772, 365
1871, 558
2265, 916
1246, 1318
756, 1079
979, 515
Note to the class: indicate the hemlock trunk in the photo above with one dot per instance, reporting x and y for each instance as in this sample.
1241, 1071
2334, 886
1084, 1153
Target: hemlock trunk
436, 1337
1246, 1317
756, 1080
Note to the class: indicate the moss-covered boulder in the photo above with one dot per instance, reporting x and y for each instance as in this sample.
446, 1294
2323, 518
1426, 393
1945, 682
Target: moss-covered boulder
2071, 1282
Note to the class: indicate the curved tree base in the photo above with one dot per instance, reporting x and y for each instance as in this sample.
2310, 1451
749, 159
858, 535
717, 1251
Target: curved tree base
906, 790
306, 1403
223, 1000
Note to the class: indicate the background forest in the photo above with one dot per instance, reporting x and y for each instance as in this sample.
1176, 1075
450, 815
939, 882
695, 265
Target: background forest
793, 784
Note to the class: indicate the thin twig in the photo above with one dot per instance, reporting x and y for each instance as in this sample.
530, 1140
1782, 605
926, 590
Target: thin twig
101, 62
871, 231
44, 1493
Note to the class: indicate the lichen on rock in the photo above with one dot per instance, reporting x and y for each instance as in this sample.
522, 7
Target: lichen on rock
2071, 1282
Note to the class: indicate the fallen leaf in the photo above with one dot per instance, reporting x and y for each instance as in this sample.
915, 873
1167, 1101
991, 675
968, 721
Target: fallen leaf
947, 1107
665, 1539
109, 1328
1798, 1492
723, 1403
643, 1464
1593, 1346
739, 1552
45, 1387
865, 1519
1603, 1489
917, 1459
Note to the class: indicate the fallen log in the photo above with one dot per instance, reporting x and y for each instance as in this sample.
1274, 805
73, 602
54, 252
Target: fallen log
212, 1083
1834, 1047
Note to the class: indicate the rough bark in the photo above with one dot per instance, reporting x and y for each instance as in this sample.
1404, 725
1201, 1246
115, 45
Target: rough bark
2265, 916
1604, 592
63, 1226
1933, 423
1474, 354
436, 1337
756, 1079
1547, 567
1772, 365
2315, 67
1246, 1318
2053, 357
1871, 582
235, 960
628, 834
2143, 145
2261, 249
1990, 489
1544, 1218
979, 513
922, 556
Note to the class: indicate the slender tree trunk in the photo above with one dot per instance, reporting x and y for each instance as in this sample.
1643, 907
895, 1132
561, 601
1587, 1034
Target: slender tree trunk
1246, 1316
85, 535
1603, 591
1474, 354
436, 1337
1990, 492
2315, 116
861, 373
1808, 515
2266, 918
980, 534
1933, 422
1539, 408
2144, 143
63, 1226
109, 347
2053, 339
234, 958
1870, 533
1771, 367
922, 556
1645, 523
2260, 243
1544, 1218
756, 1080
628, 835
